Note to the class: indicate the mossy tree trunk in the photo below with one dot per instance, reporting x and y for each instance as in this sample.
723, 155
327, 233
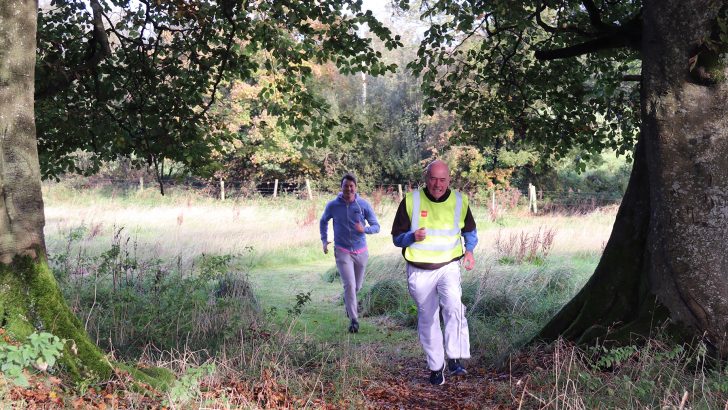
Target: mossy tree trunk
29, 296
666, 257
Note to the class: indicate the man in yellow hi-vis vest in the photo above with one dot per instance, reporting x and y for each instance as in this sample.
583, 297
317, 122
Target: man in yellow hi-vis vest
430, 226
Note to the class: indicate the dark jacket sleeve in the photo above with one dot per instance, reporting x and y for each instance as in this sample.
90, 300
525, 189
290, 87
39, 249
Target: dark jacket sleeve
401, 222
402, 236
469, 222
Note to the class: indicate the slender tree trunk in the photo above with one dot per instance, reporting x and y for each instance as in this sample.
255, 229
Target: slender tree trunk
667, 255
29, 296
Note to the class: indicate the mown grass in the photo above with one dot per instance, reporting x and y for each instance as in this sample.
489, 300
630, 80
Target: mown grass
295, 328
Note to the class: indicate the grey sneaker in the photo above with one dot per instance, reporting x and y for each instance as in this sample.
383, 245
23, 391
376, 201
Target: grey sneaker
437, 377
455, 368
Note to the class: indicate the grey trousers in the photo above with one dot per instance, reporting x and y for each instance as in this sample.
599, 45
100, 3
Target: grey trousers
352, 268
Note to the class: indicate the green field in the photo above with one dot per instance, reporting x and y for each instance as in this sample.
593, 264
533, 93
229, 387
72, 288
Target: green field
276, 242
242, 290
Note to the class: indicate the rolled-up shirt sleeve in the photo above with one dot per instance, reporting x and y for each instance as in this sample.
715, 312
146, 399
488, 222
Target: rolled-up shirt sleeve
471, 239
404, 240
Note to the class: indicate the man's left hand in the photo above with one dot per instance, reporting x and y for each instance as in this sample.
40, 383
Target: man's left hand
468, 260
359, 228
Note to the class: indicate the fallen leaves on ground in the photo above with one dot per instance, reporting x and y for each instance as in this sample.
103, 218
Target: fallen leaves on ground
407, 386
403, 384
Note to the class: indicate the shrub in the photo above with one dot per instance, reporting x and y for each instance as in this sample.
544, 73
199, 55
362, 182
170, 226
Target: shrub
127, 304
39, 351
390, 297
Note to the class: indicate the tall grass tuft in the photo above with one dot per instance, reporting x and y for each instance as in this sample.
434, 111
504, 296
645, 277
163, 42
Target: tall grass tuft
270, 366
507, 307
652, 373
523, 246
204, 322
127, 303
506, 304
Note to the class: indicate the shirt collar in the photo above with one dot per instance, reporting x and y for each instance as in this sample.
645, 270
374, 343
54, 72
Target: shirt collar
443, 198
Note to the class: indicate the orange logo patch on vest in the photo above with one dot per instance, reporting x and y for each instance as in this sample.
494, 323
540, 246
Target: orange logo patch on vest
423, 214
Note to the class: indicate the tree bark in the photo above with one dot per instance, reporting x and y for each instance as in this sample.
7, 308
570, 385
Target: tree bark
666, 259
21, 206
616, 299
686, 125
29, 296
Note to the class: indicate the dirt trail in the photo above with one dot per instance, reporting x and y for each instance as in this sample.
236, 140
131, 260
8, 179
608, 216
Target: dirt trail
407, 387
403, 383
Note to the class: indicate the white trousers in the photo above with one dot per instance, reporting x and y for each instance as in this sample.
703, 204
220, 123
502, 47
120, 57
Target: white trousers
433, 290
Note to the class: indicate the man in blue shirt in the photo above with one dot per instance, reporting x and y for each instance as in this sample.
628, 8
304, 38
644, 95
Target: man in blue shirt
350, 214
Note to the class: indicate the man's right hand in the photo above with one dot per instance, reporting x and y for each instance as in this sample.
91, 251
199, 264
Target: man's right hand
420, 234
326, 247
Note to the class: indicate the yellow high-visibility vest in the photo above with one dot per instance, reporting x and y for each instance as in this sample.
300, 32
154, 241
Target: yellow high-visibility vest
442, 221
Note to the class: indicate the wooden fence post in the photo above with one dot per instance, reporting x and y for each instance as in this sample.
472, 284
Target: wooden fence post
222, 190
532, 198
399, 189
308, 188
141, 184
275, 188
492, 200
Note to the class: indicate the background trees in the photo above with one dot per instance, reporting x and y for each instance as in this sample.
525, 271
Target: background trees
153, 84
139, 79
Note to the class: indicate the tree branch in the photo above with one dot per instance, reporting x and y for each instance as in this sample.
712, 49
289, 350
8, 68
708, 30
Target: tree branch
565, 29
595, 16
627, 35
98, 50
223, 65
472, 32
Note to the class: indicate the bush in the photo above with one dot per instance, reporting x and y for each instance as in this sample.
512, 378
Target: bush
390, 297
40, 350
128, 304
506, 307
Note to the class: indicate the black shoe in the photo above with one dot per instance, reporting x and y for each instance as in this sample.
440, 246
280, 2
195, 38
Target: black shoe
354, 326
455, 368
437, 377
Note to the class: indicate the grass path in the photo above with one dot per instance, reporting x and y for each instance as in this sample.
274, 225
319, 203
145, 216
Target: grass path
323, 317
400, 375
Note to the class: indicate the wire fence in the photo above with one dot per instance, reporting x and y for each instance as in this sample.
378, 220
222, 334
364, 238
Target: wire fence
544, 200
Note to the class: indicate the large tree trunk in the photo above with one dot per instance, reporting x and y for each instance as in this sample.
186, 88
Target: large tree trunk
686, 125
617, 298
667, 255
29, 296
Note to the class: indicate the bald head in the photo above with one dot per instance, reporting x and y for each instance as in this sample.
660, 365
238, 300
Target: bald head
438, 165
437, 178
